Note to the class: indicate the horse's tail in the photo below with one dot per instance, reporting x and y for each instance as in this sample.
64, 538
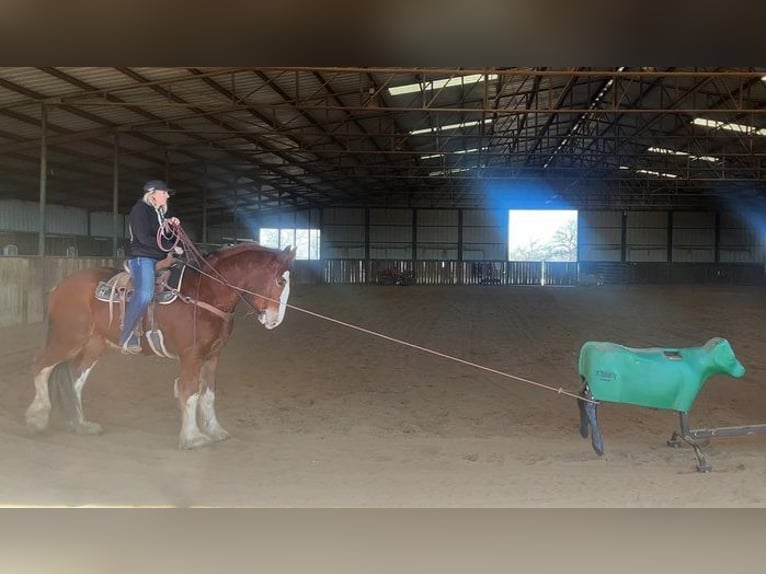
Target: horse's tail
62, 393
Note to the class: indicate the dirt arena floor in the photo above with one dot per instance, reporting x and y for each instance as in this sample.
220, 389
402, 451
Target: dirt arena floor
325, 416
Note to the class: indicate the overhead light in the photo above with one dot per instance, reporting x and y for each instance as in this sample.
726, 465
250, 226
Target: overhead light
447, 171
458, 151
739, 128
624, 167
449, 127
439, 84
657, 173
667, 151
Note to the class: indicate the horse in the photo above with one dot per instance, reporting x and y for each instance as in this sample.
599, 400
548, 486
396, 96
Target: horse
195, 328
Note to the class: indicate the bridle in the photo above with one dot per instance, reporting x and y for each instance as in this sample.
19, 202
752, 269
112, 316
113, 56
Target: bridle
196, 260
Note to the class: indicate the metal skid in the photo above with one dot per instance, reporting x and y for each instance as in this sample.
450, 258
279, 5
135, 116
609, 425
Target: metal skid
690, 436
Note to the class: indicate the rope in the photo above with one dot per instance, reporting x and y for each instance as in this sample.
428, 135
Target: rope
193, 253
558, 390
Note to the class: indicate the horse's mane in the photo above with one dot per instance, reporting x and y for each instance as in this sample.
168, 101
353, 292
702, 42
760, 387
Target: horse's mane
219, 255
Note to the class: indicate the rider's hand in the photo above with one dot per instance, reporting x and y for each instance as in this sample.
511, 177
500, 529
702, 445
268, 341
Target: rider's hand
177, 250
174, 221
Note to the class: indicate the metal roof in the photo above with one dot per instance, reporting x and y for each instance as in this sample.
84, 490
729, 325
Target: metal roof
295, 138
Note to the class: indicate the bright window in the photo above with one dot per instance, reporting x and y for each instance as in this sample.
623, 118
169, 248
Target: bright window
542, 235
305, 240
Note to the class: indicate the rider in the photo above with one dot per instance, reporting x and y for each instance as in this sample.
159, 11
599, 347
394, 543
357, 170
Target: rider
144, 222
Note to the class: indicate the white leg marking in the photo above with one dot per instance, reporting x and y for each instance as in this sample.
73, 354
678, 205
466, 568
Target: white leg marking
38, 412
80, 382
191, 437
83, 426
210, 425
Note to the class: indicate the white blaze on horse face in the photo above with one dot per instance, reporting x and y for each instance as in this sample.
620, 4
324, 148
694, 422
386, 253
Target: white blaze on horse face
269, 318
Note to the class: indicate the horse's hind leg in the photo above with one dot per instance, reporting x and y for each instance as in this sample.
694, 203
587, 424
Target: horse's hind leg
51, 359
38, 413
64, 342
208, 420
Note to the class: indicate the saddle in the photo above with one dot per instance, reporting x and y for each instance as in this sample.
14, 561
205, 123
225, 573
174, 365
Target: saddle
118, 289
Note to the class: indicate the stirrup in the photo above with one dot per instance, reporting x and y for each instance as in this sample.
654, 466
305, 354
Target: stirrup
128, 349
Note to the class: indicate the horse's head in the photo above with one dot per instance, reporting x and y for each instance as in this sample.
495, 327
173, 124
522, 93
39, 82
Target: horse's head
273, 289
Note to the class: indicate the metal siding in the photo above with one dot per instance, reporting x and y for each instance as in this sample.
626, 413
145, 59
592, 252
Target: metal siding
693, 255
693, 237
643, 253
598, 218
485, 218
342, 216
599, 235
66, 220
437, 217
391, 217
17, 215
600, 253
343, 233
443, 252
693, 220
484, 252
484, 235
647, 219
437, 235
331, 251
395, 234
101, 224
390, 252
647, 236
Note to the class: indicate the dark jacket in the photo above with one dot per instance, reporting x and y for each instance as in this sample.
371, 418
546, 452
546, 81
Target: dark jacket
143, 224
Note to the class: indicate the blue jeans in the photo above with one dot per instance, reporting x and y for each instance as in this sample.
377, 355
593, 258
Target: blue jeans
142, 271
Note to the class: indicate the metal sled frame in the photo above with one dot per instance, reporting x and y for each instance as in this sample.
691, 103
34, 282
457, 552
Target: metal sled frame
690, 437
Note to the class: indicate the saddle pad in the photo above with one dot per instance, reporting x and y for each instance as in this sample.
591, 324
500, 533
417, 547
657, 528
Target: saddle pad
106, 292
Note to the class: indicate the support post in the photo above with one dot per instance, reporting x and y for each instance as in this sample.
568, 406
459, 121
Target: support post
43, 203
115, 192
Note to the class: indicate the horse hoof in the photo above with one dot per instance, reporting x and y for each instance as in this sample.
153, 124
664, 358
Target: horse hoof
197, 441
86, 427
37, 422
218, 434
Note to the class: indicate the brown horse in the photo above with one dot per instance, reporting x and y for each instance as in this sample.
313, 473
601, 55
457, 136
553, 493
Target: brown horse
80, 330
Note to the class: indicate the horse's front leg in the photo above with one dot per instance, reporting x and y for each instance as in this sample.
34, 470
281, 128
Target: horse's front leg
208, 420
187, 392
87, 360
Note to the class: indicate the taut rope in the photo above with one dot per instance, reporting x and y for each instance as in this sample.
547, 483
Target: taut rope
199, 258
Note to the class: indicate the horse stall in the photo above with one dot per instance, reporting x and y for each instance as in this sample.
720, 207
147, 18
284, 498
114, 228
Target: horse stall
324, 414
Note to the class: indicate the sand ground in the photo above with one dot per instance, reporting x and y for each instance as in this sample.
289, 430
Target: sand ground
325, 416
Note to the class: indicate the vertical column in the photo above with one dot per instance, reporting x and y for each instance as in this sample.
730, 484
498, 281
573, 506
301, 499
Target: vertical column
43, 200
366, 234
43, 177
669, 257
460, 266
414, 234
204, 203
624, 237
115, 192
717, 244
